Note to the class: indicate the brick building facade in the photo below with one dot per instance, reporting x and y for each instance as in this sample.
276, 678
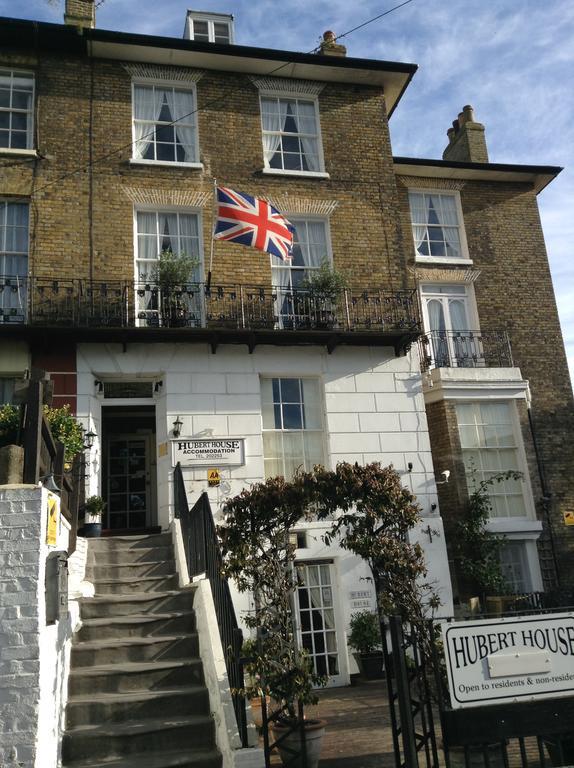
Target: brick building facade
86, 192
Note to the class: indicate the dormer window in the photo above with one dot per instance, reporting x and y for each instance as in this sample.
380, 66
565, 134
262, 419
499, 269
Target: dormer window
209, 27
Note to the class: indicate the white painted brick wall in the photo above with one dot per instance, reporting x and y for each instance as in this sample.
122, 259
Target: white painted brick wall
33, 655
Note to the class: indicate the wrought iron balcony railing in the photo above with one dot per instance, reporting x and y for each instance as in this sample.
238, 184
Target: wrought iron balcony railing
122, 304
465, 349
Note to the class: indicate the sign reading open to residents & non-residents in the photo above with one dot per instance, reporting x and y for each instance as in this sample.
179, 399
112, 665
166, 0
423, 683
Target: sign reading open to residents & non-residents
509, 659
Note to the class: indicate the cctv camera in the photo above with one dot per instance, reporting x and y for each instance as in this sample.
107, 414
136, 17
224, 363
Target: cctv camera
446, 474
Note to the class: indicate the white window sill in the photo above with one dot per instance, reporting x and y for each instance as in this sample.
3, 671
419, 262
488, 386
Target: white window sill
514, 525
304, 174
9, 152
166, 163
441, 260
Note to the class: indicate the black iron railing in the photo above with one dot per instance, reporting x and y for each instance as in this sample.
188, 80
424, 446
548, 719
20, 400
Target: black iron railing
203, 556
125, 304
465, 349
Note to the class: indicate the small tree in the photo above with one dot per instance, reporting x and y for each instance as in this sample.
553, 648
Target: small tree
373, 514
476, 549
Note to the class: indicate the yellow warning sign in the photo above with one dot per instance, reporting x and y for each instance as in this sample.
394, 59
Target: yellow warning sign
213, 477
53, 514
569, 518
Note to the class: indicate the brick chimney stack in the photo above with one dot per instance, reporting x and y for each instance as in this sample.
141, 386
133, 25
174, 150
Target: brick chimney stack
329, 45
80, 13
466, 140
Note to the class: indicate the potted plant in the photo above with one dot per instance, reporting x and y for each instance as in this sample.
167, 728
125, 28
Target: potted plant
172, 274
94, 507
365, 638
321, 289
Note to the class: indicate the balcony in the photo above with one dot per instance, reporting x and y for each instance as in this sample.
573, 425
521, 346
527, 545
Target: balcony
465, 349
252, 314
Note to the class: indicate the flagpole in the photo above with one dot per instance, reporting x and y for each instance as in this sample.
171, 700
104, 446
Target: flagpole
208, 285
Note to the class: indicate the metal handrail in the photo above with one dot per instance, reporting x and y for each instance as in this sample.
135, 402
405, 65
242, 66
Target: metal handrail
122, 304
465, 349
203, 555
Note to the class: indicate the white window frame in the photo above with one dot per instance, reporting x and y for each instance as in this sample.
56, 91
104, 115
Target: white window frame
30, 113
465, 257
321, 414
167, 209
178, 85
291, 96
211, 20
502, 521
14, 298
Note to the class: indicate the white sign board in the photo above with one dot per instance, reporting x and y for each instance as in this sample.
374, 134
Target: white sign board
503, 660
225, 451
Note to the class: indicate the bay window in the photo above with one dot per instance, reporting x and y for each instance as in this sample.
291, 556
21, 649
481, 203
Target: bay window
489, 442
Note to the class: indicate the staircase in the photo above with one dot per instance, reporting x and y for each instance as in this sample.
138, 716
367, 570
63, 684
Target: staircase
137, 697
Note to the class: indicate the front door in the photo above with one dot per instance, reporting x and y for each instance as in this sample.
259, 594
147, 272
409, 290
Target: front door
317, 618
128, 479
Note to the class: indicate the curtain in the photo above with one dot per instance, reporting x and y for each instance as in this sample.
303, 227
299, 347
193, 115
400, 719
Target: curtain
418, 218
450, 229
306, 124
273, 117
181, 108
316, 251
147, 107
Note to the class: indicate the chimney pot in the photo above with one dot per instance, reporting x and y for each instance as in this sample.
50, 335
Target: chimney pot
466, 140
329, 45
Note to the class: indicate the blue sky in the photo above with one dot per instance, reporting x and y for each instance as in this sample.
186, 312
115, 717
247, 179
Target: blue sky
513, 60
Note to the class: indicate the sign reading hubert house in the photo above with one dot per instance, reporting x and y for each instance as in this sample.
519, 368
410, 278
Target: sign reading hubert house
503, 660
225, 451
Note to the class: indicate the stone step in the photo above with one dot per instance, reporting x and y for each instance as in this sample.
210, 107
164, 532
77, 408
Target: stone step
157, 624
185, 759
135, 604
129, 677
151, 736
134, 571
118, 651
130, 556
130, 542
141, 584
121, 707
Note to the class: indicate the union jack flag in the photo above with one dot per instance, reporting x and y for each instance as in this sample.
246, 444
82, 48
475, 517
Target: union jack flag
250, 221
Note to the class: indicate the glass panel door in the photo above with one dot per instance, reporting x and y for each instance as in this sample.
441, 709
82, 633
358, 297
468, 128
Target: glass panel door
446, 320
128, 482
316, 614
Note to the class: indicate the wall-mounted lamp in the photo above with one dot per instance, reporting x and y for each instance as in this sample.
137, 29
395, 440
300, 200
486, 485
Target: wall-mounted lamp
410, 466
445, 474
89, 437
99, 386
177, 425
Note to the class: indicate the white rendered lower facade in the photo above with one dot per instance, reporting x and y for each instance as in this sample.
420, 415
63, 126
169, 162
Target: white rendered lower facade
285, 407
